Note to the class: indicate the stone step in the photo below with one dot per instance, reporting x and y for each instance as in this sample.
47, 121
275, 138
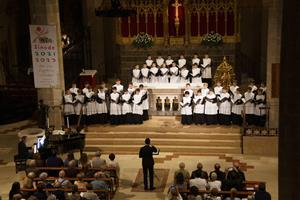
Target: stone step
163, 141
163, 148
167, 135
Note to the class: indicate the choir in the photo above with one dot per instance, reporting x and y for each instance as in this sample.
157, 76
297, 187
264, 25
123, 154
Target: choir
169, 71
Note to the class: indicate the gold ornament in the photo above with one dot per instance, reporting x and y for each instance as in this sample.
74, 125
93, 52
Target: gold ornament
224, 74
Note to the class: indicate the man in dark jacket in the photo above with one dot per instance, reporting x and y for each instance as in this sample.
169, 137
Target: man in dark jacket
146, 153
23, 150
262, 194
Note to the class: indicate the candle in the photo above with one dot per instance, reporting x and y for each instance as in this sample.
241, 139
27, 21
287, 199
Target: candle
48, 122
68, 122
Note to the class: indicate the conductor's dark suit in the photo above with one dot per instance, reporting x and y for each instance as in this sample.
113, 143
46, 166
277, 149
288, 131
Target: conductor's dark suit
146, 153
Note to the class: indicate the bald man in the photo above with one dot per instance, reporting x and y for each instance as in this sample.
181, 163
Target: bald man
182, 170
235, 177
199, 170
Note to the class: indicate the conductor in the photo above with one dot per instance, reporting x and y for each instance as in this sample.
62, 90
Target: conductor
146, 153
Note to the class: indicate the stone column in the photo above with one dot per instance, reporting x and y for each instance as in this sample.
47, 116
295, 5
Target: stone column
46, 12
273, 55
289, 120
166, 22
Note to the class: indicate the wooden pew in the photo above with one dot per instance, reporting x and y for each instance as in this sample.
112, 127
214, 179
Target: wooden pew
238, 193
107, 193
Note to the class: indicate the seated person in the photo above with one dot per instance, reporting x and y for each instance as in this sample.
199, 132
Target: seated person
40, 193
261, 194
98, 162
23, 150
70, 157
89, 194
74, 195
213, 195
194, 194
15, 189
99, 183
219, 172
61, 182
232, 196
80, 183
235, 178
71, 171
83, 161
54, 161
113, 164
182, 170
180, 182
31, 167
202, 174
173, 194
28, 181
43, 180
200, 183
214, 183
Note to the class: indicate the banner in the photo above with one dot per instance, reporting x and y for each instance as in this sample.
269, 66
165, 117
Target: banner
44, 56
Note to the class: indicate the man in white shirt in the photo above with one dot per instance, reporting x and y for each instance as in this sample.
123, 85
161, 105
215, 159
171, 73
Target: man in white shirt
199, 182
206, 70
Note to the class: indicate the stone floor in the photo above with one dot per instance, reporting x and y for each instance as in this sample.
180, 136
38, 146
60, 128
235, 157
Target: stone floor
264, 168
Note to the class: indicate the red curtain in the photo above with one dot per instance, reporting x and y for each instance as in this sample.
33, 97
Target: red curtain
194, 24
142, 22
150, 23
124, 27
159, 25
203, 24
172, 12
133, 27
212, 22
230, 23
221, 22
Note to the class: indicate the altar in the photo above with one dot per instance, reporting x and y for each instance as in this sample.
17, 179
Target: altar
159, 92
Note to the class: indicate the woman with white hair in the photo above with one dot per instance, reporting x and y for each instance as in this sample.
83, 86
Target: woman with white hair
173, 194
214, 183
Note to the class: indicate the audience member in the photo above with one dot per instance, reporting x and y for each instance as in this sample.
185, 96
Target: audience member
182, 170
194, 194
80, 183
72, 171
261, 194
15, 189
173, 194
99, 183
83, 161
233, 196
235, 177
213, 195
214, 183
202, 174
113, 164
74, 195
43, 180
180, 182
54, 161
200, 183
98, 162
69, 158
28, 181
40, 194
23, 150
89, 194
61, 182
220, 174
31, 167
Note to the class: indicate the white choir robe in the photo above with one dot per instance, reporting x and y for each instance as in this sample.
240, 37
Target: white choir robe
191, 92
233, 88
224, 107
130, 90
91, 108
74, 90
237, 109
204, 91
79, 98
196, 61
181, 62
253, 88
153, 77
199, 107
136, 74
145, 74
218, 90
206, 73
160, 61
264, 89
101, 107
69, 107
149, 62
187, 110
115, 109
126, 107
211, 108
169, 62
164, 78
119, 87
196, 71
137, 109
85, 90
249, 107
258, 111
174, 75
183, 74
145, 104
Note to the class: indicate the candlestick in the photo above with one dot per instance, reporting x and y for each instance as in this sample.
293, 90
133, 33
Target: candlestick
48, 122
68, 122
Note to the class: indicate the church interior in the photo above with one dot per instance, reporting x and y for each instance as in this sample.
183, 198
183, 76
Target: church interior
149, 99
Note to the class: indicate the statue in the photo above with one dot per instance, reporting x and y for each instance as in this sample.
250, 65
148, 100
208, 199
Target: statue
167, 104
224, 74
175, 104
158, 104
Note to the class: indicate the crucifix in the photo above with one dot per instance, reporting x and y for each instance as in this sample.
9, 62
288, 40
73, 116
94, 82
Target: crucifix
176, 4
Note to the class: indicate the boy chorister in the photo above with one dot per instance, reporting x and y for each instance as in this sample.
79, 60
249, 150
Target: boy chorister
211, 108
204, 89
145, 101
91, 109
74, 89
233, 88
80, 107
224, 107
145, 74
186, 109
101, 106
154, 73
218, 89
198, 117
237, 108
196, 74
159, 61
206, 70
253, 86
184, 75
69, 107
181, 61
136, 74
260, 111
130, 89
137, 109
163, 71
195, 59
86, 88
189, 89
249, 106
169, 61
127, 107
115, 107
174, 72
119, 86
149, 61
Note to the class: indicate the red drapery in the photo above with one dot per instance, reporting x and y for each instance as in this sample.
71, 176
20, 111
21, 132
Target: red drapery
172, 12
142, 22
133, 25
230, 23
221, 22
194, 24
159, 25
203, 24
124, 27
212, 22
150, 23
